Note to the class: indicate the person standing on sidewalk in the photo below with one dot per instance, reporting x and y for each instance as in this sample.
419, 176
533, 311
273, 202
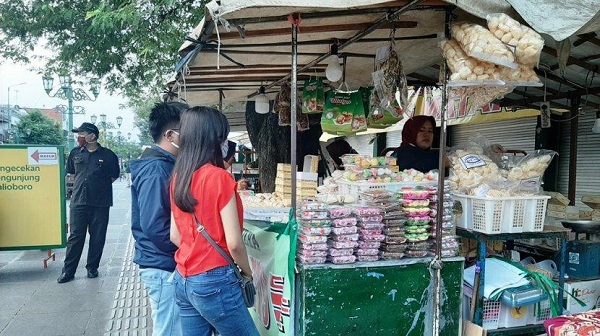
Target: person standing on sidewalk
151, 216
95, 169
207, 289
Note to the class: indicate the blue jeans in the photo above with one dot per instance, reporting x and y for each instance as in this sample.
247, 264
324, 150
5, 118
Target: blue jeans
165, 312
212, 301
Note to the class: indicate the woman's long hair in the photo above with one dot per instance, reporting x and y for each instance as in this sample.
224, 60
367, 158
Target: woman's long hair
202, 130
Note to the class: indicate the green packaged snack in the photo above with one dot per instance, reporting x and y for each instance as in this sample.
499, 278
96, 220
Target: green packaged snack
344, 113
313, 96
381, 117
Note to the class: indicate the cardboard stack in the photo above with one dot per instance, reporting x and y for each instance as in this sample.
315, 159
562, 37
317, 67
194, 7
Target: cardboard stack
558, 207
593, 201
306, 183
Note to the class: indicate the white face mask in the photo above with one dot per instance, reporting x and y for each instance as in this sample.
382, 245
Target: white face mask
225, 148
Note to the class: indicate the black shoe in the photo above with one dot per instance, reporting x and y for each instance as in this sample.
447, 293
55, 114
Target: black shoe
65, 277
92, 273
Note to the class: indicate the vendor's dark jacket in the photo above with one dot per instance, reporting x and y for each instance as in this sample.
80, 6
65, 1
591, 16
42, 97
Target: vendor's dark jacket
93, 172
151, 209
416, 158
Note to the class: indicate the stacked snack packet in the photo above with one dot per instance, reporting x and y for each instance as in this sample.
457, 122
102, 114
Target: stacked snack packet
344, 237
314, 228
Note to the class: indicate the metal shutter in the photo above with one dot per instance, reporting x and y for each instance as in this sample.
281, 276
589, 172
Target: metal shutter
393, 139
361, 144
588, 159
511, 134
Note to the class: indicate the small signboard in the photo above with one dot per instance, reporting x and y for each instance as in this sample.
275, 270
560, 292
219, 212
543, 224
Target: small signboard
32, 202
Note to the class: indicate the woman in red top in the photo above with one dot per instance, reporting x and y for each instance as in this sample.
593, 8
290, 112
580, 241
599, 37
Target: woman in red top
206, 287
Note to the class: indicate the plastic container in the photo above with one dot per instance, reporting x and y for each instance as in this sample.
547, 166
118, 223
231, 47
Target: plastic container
355, 188
502, 214
522, 296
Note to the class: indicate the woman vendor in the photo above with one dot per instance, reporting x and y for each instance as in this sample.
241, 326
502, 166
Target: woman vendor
415, 150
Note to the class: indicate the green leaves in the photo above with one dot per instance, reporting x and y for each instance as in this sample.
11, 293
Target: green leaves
38, 129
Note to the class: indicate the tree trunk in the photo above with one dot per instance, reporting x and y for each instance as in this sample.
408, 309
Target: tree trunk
271, 143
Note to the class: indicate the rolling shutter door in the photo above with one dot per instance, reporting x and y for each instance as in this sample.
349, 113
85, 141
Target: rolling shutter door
511, 134
588, 159
393, 139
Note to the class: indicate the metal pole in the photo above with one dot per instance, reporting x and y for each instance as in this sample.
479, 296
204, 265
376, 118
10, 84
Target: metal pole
69, 92
294, 94
575, 102
9, 116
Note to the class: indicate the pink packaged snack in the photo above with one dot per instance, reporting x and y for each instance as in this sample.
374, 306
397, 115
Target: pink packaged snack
369, 232
315, 231
314, 247
372, 226
311, 260
375, 237
370, 218
340, 252
344, 230
312, 239
368, 244
414, 194
343, 244
339, 212
367, 251
391, 255
415, 203
347, 237
309, 253
367, 258
341, 222
367, 211
343, 259
311, 214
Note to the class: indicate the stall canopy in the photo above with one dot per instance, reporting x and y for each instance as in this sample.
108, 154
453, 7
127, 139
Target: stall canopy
254, 46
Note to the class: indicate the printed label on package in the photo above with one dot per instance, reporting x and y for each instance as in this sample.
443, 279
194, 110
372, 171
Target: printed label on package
472, 161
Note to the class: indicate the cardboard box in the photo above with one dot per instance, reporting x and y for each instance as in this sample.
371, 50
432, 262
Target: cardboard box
586, 291
557, 198
563, 215
563, 208
311, 164
593, 201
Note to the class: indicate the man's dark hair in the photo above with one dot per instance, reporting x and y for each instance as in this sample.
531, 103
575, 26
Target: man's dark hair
163, 117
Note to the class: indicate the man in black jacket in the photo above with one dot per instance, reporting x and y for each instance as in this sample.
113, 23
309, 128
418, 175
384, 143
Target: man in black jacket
95, 169
151, 216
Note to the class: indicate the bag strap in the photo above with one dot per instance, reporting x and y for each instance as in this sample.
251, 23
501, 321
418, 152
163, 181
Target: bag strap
201, 229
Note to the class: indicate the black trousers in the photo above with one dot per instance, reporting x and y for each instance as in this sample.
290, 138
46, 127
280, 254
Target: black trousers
85, 218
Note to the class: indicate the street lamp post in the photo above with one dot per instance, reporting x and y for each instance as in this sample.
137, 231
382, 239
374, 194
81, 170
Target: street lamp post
9, 108
103, 125
70, 94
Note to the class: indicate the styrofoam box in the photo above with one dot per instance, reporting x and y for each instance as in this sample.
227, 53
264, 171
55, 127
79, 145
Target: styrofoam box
494, 215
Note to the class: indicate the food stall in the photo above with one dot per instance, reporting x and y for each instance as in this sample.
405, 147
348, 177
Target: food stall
294, 298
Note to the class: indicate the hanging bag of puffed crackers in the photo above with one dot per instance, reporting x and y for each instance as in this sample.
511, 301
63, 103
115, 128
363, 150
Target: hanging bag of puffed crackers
466, 70
526, 42
343, 113
313, 96
480, 43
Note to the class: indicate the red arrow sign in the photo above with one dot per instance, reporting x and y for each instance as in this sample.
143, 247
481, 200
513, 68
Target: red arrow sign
43, 156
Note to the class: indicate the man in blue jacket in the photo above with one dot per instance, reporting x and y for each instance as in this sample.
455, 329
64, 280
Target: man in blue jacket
151, 216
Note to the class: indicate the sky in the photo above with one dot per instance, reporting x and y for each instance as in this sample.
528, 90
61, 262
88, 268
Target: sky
32, 94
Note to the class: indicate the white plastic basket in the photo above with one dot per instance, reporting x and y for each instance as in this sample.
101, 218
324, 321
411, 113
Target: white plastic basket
355, 188
502, 214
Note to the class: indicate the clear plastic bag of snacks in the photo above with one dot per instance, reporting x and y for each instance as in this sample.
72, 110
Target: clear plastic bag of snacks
312, 239
367, 211
371, 218
344, 230
384, 255
369, 232
372, 226
340, 252
311, 253
367, 258
312, 214
478, 42
373, 237
375, 195
313, 247
361, 251
315, 231
311, 260
397, 248
345, 237
315, 223
339, 212
343, 244
342, 259
343, 222
312, 204
368, 244
527, 43
394, 239
416, 254
466, 70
